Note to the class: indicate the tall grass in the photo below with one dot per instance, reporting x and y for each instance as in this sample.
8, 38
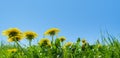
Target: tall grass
77, 50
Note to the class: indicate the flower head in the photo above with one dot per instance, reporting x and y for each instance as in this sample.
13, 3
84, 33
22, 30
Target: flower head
30, 35
83, 41
52, 31
62, 38
12, 50
15, 38
44, 42
11, 32
68, 44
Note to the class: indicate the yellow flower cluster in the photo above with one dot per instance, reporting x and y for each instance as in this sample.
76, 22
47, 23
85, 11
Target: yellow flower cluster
13, 34
45, 42
30, 35
52, 31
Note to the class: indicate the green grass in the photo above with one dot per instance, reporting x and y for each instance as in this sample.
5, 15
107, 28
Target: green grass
109, 48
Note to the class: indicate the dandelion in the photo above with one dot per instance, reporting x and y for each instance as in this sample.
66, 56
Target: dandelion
14, 34
29, 35
83, 41
12, 50
44, 42
11, 32
15, 38
62, 38
52, 32
68, 44
85, 44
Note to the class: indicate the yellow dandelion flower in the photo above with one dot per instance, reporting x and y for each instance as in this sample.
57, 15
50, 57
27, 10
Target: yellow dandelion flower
30, 35
15, 38
11, 32
62, 38
83, 41
68, 44
44, 42
52, 31
12, 50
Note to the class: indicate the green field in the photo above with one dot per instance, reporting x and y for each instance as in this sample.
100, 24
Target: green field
108, 47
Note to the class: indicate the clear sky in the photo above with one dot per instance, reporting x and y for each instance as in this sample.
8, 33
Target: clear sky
75, 18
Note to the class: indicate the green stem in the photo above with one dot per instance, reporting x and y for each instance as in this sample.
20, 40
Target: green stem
18, 45
62, 43
30, 42
52, 39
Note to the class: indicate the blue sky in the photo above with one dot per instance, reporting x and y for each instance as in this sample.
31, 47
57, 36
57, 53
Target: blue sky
75, 18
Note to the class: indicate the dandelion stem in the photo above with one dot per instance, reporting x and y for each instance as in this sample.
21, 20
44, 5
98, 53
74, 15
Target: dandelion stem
18, 44
62, 43
52, 39
30, 42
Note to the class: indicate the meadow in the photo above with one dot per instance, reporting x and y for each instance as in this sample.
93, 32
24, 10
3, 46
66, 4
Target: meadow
108, 47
